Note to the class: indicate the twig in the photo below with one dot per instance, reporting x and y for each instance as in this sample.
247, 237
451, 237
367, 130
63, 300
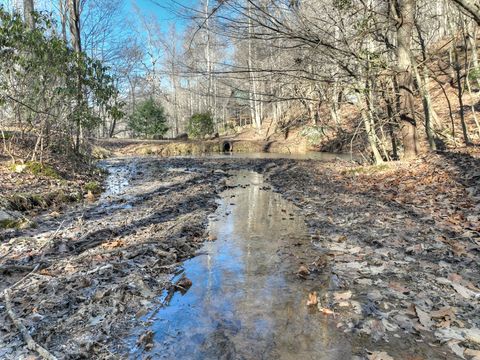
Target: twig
22, 279
51, 237
31, 344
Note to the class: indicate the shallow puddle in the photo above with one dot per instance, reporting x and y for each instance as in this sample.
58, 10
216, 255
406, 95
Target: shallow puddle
246, 301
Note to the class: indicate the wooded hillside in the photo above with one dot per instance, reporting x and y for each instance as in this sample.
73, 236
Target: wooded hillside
397, 77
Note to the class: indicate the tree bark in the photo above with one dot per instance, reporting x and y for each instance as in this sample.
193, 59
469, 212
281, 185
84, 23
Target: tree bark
408, 125
28, 10
74, 26
63, 18
470, 7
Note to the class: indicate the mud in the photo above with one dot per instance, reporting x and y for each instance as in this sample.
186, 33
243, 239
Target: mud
105, 279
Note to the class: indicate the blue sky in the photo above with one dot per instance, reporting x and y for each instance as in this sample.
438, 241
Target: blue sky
164, 10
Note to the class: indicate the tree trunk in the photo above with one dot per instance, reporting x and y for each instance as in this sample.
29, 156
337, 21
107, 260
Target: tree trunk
470, 7
406, 14
74, 26
28, 10
63, 18
458, 68
254, 108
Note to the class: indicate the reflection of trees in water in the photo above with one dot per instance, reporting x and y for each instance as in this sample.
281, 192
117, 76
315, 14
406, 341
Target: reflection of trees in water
263, 226
252, 302
246, 302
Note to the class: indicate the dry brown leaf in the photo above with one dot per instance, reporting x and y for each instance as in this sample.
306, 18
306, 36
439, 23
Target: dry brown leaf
342, 296
90, 197
379, 355
312, 299
326, 311
303, 271
443, 312
146, 340
184, 283
398, 287
457, 349
463, 291
472, 354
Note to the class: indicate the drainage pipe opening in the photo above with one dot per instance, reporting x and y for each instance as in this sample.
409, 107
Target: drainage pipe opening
227, 146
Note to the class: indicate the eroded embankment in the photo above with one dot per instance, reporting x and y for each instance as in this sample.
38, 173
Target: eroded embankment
197, 147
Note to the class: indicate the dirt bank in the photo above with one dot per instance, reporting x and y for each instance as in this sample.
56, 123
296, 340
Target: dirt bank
401, 259
120, 147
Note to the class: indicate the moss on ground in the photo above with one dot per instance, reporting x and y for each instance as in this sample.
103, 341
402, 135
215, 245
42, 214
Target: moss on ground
94, 187
29, 201
17, 224
36, 168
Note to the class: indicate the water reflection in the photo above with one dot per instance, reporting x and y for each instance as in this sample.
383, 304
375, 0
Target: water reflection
246, 302
265, 155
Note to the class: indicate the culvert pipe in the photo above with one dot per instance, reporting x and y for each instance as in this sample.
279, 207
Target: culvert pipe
227, 146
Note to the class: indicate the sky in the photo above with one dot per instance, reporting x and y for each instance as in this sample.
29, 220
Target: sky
163, 10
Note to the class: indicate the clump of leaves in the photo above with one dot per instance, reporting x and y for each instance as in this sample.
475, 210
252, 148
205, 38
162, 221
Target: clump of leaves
94, 187
45, 74
148, 119
474, 74
200, 125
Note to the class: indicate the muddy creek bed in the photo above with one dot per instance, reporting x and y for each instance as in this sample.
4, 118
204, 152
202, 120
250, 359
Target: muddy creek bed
218, 257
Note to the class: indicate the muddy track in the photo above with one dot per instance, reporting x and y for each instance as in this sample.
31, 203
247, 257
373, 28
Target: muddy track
388, 275
100, 266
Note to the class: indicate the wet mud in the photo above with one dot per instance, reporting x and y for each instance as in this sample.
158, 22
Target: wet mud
219, 257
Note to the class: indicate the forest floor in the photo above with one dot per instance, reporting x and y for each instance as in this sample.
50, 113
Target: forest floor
400, 244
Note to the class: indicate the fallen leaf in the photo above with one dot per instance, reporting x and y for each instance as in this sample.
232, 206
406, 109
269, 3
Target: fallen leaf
463, 291
379, 355
146, 340
472, 354
449, 334
398, 287
424, 318
303, 271
443, 312
312, 299
184, 283
342, 296
90, 197
327, 311
472, 335
457, 349
341, 238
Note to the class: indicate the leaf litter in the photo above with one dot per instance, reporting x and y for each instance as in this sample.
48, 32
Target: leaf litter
404, 242
400, 250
